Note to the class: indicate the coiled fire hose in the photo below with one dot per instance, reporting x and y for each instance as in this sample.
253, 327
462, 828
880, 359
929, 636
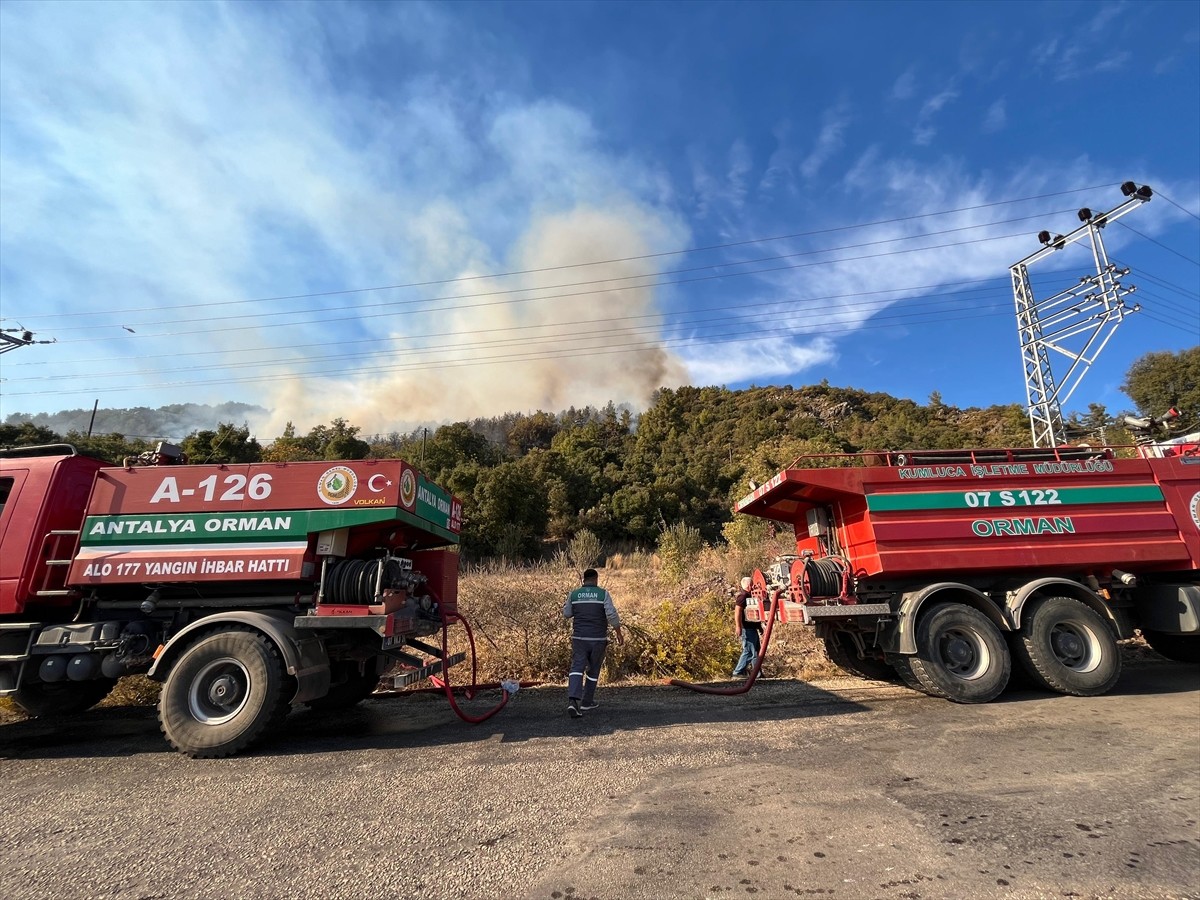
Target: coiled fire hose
753, 676
509, 687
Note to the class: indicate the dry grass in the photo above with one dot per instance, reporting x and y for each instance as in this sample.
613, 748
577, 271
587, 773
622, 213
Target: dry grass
674, 629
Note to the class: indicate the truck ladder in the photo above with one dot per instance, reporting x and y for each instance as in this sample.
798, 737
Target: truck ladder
56, 561
16, 645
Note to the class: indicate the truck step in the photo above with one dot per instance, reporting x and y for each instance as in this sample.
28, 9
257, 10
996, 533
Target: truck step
407, 658
17, 636
849, 609
404, 679
427, 649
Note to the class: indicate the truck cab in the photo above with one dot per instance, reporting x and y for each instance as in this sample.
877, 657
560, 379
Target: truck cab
43, 494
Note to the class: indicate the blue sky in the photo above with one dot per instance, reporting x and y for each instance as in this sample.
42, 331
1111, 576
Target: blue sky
414, 213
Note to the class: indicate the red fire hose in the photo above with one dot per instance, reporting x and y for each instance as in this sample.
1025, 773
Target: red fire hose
468, 692
753, 676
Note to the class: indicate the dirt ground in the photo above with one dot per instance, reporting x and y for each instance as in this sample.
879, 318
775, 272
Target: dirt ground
834, 789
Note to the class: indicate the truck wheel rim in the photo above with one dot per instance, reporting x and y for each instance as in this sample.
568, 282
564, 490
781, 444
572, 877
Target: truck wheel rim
1075, 647
219, 691
963, 654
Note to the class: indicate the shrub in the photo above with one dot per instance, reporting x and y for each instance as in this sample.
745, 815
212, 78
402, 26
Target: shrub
584, 550
516, 612
751, 544
679, 546
692, 640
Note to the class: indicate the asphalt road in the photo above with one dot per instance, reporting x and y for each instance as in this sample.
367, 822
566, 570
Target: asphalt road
843, 789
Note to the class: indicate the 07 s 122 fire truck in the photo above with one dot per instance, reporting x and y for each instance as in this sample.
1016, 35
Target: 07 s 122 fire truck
945, 568
244, 589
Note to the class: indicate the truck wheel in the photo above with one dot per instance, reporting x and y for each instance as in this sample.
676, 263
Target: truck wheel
903, 667
47, 701
840, 649
961, 655
224, 692
1179, 647
1067, 647
354, 687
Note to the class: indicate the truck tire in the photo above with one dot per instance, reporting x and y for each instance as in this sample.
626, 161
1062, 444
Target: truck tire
226, 691
961, 655
840, 649
353, 687
1179, 647
903, 667
48, 701
1066, 646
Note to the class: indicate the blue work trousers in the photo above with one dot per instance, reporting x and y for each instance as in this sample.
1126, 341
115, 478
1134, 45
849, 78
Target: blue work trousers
749, 652
586, 659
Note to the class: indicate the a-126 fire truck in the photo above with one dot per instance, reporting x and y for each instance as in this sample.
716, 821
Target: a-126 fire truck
244, 589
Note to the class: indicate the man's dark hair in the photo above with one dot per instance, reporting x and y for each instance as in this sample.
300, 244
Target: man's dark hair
590, 575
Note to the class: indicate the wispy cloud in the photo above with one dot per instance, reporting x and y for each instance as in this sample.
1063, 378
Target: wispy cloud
996, 117
924, 130
141, 173
905, 87
829, 139
1088, 49
833, 286
780, 171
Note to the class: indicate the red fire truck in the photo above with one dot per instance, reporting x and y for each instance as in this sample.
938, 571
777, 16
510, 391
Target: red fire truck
942, 567
244, 589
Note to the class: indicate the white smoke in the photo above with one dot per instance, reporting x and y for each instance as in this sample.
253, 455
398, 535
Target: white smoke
583, 344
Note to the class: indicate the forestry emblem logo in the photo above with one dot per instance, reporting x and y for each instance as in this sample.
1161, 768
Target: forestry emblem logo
408, 488
337, 485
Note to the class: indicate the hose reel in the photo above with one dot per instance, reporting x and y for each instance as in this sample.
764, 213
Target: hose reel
361, 581
823, 578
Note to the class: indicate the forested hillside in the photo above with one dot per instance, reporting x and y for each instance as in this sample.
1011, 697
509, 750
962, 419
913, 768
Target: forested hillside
530, 482
175, 420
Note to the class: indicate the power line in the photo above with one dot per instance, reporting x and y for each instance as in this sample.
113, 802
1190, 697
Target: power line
1159, 193
568, 323
1170, 302
1160, 244
608, 281
757, 335
1190, 329
766, 312
520, 300
565, 266
1142, 273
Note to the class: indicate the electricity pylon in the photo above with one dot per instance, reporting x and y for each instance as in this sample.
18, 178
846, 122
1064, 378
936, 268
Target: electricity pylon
1076, 322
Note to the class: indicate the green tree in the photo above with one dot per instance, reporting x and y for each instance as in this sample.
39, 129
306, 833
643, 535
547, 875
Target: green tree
535, 432
1158, 381
337, 440
112, 447
509, 512
451, 446
341, 441
26, 434
288, 447
227, 444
